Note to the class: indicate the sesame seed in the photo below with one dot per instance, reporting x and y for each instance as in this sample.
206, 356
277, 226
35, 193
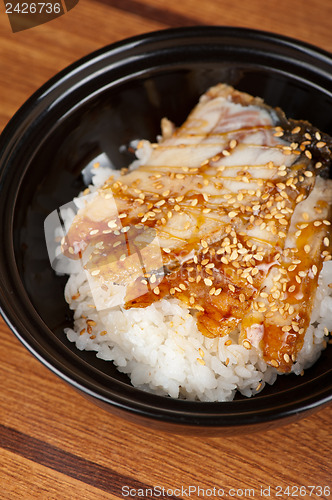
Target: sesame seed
156, 290
95, 272
234, 255
274, 363
112, 224
206, 210
91, 322
286, 358
307, 248
207, 281
246, 344
204, 244
308, 154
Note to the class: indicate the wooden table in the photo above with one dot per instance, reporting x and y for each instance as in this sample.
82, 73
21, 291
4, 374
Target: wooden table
53, 443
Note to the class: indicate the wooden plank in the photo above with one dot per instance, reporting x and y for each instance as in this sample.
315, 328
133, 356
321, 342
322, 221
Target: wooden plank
307, 22
22, 478
45, 410
53, 442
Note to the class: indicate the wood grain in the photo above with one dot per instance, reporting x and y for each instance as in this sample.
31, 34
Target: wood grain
54, 444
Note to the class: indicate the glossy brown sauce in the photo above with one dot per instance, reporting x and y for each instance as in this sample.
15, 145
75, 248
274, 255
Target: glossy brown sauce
223, 293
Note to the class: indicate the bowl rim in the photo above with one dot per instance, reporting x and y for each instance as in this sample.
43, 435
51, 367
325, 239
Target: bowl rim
134, 400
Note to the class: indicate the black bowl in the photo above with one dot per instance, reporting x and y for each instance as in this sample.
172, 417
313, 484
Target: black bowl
97, 105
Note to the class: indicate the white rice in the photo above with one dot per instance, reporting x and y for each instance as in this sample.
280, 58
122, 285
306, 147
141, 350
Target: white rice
162, 351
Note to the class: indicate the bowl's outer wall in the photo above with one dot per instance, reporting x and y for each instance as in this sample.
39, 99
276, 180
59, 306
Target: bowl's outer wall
98, 106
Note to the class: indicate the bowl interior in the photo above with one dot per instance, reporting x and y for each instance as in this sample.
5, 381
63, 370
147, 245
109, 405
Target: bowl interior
100, 106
